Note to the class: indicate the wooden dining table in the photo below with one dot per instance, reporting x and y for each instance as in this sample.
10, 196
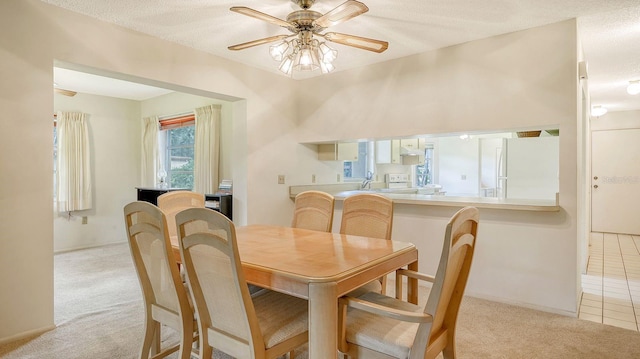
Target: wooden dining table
319, 267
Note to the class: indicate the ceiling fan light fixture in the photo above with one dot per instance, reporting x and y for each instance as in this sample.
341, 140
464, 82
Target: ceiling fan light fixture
306, 59
634, 87
286, 66
278, 51
328, 54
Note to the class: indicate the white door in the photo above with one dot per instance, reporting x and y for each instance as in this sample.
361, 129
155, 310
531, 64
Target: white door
615, 182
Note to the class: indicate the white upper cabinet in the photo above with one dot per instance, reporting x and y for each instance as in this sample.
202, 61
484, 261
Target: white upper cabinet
413, 143
388, 151
344, 151
409, 143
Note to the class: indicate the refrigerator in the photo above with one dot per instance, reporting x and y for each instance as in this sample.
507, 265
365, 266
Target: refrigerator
529, 168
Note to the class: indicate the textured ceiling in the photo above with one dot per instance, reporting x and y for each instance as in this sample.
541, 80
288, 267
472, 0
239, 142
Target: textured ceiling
609, 30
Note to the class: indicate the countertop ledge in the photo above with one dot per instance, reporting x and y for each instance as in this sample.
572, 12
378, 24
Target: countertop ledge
343, 190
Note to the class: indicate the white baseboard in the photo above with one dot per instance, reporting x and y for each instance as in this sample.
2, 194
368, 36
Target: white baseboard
541, 308
26, 334
423, 289
87, 247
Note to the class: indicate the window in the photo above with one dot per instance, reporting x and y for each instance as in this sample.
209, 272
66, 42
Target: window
424, 172
357, 170
176, 145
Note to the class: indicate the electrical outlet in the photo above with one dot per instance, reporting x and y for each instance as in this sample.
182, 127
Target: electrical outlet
463, 177
85, 220
338, 177
280, 179
313, 178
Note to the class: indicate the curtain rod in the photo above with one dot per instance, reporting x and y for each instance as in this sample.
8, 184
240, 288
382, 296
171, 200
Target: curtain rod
183, 114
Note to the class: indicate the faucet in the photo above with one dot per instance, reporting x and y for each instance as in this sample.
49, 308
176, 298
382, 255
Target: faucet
367, 182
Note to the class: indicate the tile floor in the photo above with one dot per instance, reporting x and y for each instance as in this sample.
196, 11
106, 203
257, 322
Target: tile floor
611, 287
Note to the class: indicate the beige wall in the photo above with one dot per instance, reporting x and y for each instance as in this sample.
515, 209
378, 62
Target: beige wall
115, 132
616, 121
114, 137
525, 79
33, 37
503, 81
490, 84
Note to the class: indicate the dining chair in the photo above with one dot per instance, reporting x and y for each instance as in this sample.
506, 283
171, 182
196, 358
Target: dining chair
313, 210
378, 326
166, 300
173, 202
267, 325
368, 215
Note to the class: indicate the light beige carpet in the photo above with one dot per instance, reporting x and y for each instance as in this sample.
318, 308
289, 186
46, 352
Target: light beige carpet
99, 314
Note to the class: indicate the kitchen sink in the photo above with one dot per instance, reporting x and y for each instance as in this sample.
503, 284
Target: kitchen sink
391, 190
431, 190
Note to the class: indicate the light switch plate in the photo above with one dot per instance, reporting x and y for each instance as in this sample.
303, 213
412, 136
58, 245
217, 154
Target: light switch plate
280, 179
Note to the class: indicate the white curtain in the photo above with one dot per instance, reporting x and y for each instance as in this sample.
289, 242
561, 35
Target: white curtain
206, 149
150, 160
74, 165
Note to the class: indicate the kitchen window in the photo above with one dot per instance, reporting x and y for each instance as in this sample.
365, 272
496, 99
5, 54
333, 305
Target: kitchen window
424, 172
357, 170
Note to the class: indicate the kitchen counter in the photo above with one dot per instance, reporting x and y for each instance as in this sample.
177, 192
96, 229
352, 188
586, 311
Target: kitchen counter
343, 190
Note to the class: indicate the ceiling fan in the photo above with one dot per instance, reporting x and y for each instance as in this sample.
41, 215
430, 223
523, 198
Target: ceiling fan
299, 48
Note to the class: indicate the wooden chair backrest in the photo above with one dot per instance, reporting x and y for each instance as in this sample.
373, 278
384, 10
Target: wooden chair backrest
226, 315
173, 202
313, 210
153, 259
450, 280
368, 215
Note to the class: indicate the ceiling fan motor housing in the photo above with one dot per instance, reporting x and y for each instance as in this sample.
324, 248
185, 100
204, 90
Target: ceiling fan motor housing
305, 4
304, 19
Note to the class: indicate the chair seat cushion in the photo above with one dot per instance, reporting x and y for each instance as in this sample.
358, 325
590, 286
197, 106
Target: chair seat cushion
280, 316
389, 336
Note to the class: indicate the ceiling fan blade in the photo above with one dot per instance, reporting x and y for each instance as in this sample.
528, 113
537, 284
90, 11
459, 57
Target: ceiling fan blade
345, 11
357, 41
261, 16
253, 43
65, 92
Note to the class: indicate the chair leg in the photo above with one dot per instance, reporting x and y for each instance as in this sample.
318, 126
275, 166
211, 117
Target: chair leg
206, 351
449, 351
157, 339
195, 345
186, 341
383, 282
148, 344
